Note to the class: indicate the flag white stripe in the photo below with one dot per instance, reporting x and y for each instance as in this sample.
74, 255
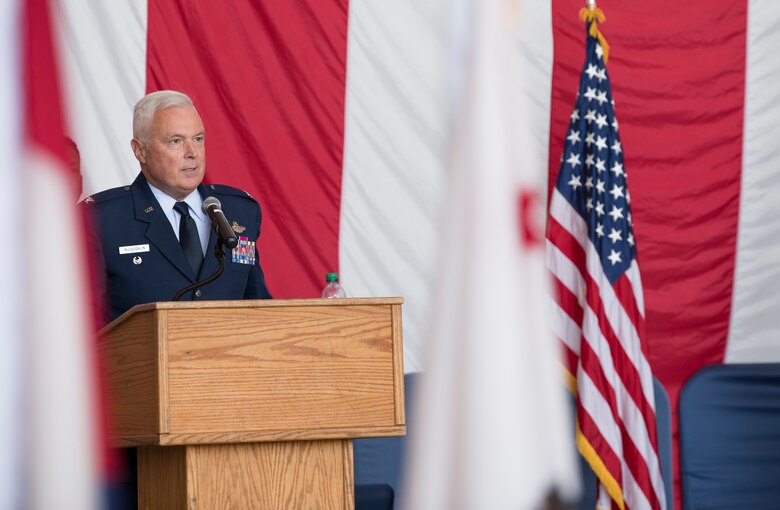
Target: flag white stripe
566, 272
101, 82
566, 329
634, 496
561, 210
394, 176
755, 324
594, 403
633, 276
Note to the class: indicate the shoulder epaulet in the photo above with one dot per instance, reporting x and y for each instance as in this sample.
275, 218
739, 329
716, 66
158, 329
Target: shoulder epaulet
229, 190
106, 195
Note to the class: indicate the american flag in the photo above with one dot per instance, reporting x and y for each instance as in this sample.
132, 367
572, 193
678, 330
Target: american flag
598, 303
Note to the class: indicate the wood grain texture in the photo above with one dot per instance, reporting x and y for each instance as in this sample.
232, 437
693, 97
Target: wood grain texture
286, 475
130, 357
162, 478
270, 435
162, 370
398, 365
277, 368
349, 475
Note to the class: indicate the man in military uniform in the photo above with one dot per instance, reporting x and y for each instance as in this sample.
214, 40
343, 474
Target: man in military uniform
152, 237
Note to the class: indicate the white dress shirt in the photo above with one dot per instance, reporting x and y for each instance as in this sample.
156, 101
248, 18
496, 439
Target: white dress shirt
194, 201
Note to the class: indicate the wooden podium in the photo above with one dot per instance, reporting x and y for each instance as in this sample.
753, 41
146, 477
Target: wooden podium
253, 404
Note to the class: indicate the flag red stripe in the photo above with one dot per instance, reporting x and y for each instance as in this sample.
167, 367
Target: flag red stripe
570, 358
271, 92
639, 470
567, 301
42, 112
625, 294
566, 242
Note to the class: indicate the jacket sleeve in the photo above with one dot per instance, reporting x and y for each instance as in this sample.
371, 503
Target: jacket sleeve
96, 267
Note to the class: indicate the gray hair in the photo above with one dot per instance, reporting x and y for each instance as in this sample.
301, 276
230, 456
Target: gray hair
144, 110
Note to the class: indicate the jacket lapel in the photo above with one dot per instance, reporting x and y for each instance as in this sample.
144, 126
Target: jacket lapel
159, 232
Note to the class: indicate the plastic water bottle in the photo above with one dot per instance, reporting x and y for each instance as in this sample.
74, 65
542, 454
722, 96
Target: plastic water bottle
332, 288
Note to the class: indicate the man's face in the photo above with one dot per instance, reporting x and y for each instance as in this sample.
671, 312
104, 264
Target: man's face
173, 159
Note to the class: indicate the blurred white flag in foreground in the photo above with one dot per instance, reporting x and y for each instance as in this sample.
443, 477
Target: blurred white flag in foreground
50, 427
493, 430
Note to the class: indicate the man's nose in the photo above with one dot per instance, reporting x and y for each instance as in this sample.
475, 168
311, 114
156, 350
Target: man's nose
189, 149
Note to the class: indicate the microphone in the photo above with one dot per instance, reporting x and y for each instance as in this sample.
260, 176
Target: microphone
213, 208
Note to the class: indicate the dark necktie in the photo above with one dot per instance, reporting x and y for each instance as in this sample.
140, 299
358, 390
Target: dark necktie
188, 237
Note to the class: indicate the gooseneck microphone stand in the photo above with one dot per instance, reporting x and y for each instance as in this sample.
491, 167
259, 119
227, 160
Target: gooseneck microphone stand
220, 254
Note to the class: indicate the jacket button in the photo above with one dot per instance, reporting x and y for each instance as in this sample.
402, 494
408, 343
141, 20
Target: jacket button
198, 294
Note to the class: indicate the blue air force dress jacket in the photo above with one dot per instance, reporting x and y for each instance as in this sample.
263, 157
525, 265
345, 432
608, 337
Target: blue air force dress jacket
140, 259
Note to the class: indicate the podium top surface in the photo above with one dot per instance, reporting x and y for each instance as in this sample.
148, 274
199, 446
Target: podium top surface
246, 303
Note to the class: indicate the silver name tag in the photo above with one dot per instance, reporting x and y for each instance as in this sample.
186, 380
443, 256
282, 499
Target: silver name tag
138, 248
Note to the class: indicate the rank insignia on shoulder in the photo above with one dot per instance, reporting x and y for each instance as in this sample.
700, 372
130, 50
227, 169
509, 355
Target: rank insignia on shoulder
238, 229
149, 209
244, 253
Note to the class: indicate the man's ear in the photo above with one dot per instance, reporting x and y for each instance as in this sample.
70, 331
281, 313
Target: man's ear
138, 150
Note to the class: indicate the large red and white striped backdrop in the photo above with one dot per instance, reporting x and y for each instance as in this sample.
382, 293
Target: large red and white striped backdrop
334, 114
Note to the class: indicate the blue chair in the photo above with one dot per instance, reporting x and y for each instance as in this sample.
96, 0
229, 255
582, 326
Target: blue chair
730, 437
663, 419
378, 496
378, 462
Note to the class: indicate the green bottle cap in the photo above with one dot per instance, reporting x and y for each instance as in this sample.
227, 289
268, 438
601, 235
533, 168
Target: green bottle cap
332, 277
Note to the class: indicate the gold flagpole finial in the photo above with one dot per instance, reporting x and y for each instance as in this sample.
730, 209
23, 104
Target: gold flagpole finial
592, 14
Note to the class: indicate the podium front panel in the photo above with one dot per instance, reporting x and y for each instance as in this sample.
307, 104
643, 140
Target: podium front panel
280, 369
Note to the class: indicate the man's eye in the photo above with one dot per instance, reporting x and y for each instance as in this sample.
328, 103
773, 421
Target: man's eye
198, 138
175, 140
